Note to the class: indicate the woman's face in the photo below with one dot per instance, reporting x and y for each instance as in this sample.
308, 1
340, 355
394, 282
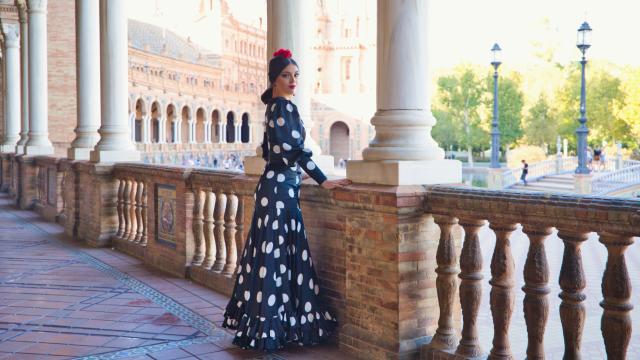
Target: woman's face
286, 82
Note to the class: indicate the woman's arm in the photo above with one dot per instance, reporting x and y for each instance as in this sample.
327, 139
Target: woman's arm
288, 138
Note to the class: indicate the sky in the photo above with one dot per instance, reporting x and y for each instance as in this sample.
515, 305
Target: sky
463, 31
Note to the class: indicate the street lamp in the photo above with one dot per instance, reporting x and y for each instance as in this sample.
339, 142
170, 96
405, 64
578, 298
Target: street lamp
495, 131
583, 43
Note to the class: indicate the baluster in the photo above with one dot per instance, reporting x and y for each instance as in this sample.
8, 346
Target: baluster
616, 290
198, 233
145, 221
125, 209
120, 207
445, 338
132, 211
536, 277
230, 234
502, 297
221, 251
209, 236
572, 281
470, 287
240, 238
139, 221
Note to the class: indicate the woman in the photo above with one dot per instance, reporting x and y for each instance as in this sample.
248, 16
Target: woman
275, 299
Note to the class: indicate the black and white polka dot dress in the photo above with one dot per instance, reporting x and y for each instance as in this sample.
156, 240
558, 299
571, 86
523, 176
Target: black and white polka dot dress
275, 299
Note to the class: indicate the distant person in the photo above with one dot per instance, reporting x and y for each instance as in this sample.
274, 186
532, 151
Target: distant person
603, 161
525, 172
597, 157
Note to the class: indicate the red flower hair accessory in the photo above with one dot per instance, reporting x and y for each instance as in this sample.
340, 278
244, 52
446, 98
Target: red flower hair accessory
285, 53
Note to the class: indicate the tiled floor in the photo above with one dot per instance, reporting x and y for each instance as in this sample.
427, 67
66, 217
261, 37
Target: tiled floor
61, 300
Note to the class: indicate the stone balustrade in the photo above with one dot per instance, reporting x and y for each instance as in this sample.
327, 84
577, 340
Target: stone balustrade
399, 266
616, 222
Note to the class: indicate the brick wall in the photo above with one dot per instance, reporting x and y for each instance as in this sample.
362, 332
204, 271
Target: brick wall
61, 36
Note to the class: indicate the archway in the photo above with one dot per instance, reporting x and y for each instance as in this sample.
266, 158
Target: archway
155, 122
170, 128
215, 127
137, 126
184, 128
339, 142
245, 128
230, 128
200, 126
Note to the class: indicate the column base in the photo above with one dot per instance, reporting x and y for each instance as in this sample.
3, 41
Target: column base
254, 165
33, 150
113, 156
582, 183
79, 153
7, 148
19, 149
392, 172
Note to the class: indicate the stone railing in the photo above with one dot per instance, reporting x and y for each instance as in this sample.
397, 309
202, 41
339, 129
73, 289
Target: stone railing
218, 227
386, 257
615, 221
605, 183
50, 198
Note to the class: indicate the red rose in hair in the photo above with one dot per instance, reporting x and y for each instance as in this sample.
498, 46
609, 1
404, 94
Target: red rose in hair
285, 53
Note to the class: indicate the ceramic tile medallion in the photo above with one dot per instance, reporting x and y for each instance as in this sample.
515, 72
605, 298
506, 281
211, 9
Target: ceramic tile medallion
166, 215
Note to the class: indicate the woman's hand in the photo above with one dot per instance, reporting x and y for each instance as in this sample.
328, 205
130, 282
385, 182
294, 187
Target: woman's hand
332, 184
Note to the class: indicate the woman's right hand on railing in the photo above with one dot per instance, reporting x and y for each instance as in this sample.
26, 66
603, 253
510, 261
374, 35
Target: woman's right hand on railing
332, 184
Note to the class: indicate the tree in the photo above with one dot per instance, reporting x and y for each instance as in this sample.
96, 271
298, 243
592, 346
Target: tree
459, 100
630, 112
605, 98
510, 104
540, 126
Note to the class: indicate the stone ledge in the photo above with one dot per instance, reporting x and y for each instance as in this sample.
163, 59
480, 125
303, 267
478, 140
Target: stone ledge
128, 247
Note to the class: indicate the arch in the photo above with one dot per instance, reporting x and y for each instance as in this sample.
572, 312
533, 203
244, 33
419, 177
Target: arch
170, 129
215, 128
230, 127
156, 114
185, 115
141, 111
245, 128
200, 119
339, 144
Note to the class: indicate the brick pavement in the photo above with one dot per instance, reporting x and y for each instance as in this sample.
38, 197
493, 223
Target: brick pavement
62, 300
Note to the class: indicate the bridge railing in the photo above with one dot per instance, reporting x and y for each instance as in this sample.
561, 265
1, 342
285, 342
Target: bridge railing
604, 183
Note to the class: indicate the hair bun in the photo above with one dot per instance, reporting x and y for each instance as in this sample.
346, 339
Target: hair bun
285, 53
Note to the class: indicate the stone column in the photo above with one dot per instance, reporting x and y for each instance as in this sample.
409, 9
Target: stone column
24, 73
162, 130
87, 79
223, 132
147, 129
11, 69
192, 130
38, 143
238, 130
286, 29
115, 143
403, 151
177, 126
207, 132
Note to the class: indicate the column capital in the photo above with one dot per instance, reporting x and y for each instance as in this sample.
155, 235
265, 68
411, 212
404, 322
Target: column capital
22, 10
11, 34
36, 6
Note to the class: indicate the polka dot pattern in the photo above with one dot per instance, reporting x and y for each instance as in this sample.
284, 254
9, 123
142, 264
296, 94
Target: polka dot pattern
275, 298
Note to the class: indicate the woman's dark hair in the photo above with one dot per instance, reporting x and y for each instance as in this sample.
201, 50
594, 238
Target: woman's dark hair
281, 59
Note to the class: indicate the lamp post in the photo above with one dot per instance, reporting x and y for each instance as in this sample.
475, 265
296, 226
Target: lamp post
495, 131
583, 43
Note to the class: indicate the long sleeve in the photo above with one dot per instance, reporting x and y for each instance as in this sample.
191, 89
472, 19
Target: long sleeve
288, 140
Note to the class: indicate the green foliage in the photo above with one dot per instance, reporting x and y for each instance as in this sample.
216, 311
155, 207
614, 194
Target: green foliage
541, 126
510, 104
605, 98
459, 103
